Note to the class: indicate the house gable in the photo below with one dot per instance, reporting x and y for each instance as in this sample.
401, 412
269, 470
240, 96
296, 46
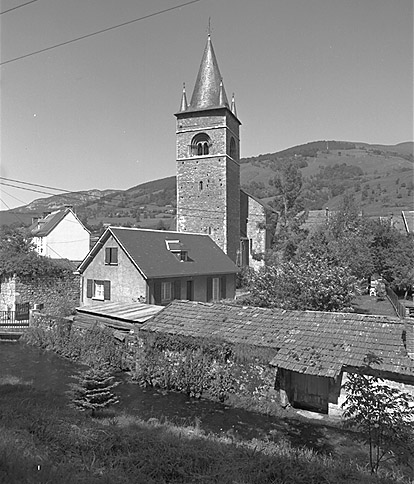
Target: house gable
61, 235
122, 280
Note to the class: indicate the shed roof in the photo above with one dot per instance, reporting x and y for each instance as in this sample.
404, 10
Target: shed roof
130, 312
148, 250
311, 342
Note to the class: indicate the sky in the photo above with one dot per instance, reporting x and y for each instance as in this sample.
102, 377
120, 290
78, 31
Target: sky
98, 113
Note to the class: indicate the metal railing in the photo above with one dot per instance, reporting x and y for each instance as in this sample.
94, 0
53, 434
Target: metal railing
8, 320
399, 308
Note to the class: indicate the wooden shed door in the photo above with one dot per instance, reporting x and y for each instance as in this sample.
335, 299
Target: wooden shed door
309, 392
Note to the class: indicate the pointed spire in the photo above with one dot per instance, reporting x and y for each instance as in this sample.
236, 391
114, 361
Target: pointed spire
208, 89
233, 105
222, 94
184, 104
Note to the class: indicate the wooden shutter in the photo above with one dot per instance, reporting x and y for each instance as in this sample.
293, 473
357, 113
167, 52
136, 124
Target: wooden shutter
89, 288
114, 255
107, 255
157, 292
223, 287
209, 289
107, 290
177, 290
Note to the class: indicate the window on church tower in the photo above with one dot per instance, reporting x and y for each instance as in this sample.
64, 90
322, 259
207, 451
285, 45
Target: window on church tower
200, 144
233, 151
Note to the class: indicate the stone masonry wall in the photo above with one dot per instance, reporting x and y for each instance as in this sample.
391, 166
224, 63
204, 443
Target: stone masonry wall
59, 296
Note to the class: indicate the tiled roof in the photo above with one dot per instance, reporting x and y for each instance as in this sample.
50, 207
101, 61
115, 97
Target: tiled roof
206, 92
44, 226
148, 250
311, 342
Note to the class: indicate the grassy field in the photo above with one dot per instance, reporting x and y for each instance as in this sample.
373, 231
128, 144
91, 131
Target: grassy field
43, 440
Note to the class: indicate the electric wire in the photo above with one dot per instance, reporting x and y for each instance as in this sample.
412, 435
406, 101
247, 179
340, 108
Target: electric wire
18, 218
99, 32
108, 203
18, 6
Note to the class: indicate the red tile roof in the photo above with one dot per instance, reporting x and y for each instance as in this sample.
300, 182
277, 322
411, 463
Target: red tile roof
311, 342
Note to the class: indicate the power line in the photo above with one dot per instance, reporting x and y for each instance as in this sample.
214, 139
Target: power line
27, 189
66, 194
18, 6
99, 32
18, 218
12, 196
98, 198
35, 184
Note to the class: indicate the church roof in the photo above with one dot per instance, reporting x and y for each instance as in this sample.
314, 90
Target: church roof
208, 89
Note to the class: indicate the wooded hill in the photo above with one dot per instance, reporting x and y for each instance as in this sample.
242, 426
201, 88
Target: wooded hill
380, 178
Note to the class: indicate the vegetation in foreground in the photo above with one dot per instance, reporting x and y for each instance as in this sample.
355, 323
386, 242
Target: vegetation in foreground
43, 440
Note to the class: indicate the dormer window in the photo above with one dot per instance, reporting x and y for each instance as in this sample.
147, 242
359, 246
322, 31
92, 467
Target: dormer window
200, 144
177, 249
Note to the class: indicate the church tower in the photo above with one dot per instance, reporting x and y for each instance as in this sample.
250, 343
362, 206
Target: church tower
208, 153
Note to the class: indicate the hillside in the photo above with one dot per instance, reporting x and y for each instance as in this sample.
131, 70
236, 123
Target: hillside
379, 176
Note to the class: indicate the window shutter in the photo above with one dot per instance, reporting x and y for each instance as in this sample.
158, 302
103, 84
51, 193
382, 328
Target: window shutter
89, 288
115, 255
177, 289
107, 290
209, 289
107, 255
157, 292
223, 287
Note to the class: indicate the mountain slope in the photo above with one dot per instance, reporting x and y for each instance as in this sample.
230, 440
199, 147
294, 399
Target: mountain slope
380, 177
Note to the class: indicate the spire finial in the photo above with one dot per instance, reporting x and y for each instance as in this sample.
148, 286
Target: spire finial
209, 27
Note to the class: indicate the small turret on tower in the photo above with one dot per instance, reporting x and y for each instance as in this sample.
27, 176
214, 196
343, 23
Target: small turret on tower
184, 104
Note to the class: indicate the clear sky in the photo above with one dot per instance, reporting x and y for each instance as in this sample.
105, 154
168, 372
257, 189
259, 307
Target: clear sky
99, 113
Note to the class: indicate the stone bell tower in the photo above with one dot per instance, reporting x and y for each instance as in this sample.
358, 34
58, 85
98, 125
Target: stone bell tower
208, 153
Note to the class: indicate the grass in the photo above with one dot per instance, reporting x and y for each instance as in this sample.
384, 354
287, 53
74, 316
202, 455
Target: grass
370, 305
43, 440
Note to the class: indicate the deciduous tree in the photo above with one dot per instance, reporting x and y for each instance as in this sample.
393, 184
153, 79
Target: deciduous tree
382, 416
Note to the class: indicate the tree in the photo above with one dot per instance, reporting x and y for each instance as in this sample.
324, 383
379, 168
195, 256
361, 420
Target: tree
382, 415
17, 256
393, 254
288, 185
93, 390
309, 283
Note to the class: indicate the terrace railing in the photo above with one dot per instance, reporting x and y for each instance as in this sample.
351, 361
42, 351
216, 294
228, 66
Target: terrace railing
399, 308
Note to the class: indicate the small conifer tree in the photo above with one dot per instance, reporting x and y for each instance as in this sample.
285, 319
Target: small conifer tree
93, 390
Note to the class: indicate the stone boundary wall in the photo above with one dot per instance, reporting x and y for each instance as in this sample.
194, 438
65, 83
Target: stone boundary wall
244, 383
59, 296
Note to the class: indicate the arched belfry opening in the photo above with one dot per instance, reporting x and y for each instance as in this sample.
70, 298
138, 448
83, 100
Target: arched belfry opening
200, 145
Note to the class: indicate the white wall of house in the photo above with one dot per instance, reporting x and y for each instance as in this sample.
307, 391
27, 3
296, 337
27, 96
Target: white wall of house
68, 240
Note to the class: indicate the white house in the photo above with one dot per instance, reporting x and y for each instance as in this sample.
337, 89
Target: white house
61, 235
